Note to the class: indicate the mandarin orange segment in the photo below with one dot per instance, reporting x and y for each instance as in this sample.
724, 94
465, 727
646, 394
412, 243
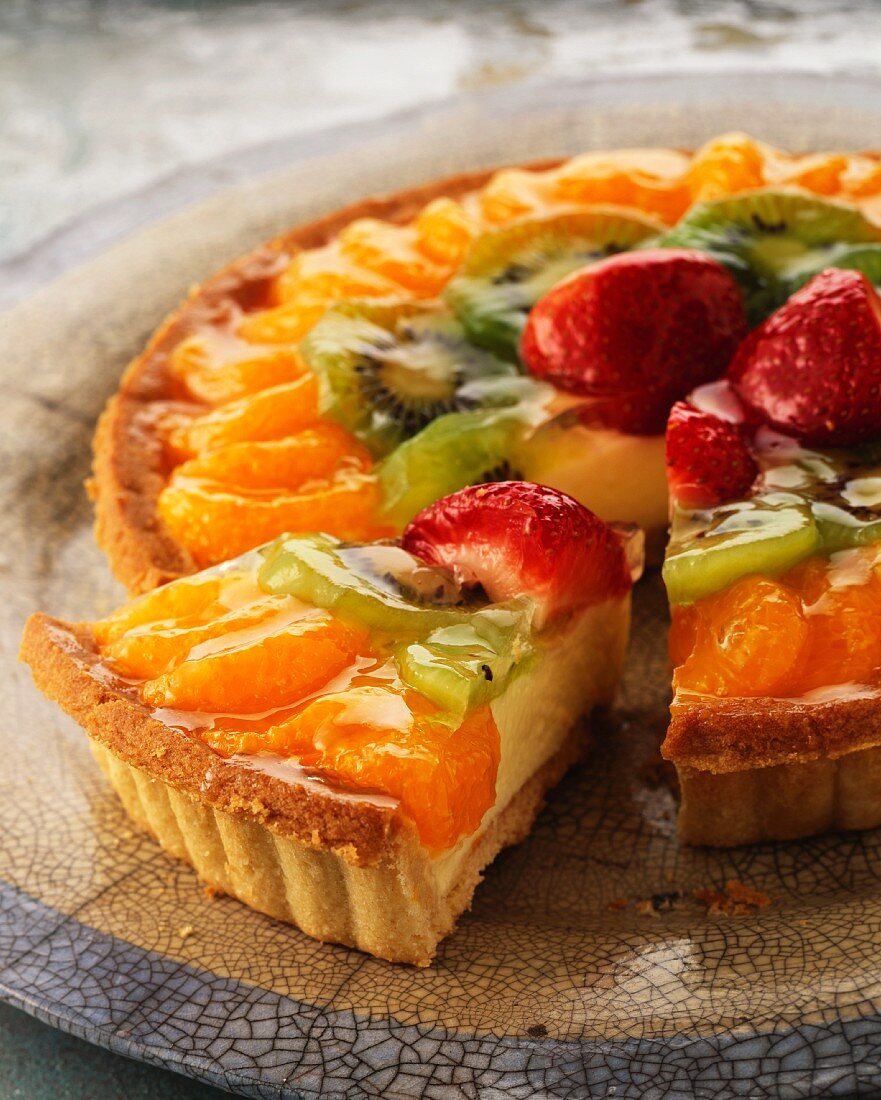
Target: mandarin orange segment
513, 193
376, 739
646, 179
189, 598
683, 633
215, 374
819, 174
724, 166
319, 452
215, 523
749, 641
269, 414
330, 274
283, 739
843, 603
810, 579
260, 669
390, 251
845, 641
863, 178
444, 230
286, 324
148, 651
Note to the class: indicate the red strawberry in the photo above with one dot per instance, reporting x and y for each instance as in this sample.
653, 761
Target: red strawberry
708, 458
813, 369
515, 538
643, 327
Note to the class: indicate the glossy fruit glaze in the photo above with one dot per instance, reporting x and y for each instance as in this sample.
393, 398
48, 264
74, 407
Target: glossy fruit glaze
774, 566
267, 676
813, 627
373, 665
250, 452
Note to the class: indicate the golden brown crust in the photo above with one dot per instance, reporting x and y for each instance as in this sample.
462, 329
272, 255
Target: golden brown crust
62, 657
129, 468
782, 801
728, 735
394, 909
344, 869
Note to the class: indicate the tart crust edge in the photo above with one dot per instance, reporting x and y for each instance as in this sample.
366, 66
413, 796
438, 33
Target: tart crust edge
344, 871
818, 768
128, 461
391, 909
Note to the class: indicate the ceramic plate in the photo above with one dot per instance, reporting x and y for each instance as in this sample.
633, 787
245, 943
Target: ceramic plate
550, 988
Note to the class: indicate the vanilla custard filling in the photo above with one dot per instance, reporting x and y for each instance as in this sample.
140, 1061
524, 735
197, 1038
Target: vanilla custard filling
621, 477
574, 672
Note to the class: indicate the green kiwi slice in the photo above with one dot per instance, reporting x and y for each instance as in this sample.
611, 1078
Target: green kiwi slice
459, 449
467, 665
770, 240
711, 549
843, 489
389, 369
379, 585
507, 270
847, 506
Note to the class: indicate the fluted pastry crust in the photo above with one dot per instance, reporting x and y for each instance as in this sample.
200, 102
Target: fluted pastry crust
129, 465
349, 871
775, 769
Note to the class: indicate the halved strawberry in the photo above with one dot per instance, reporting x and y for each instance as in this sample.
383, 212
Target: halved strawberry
645, 327
708, 459
515, 538
813, 369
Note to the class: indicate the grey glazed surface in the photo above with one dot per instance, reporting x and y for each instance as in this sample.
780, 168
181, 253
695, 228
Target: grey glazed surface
544, 990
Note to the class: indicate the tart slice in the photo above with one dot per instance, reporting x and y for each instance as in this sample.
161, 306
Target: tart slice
774, 577
344, 734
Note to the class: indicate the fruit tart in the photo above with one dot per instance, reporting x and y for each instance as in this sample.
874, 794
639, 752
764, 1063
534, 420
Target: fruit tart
360, 367
344, 733
774, 576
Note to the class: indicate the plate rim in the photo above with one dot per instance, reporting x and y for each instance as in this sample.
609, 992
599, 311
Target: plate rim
75, 241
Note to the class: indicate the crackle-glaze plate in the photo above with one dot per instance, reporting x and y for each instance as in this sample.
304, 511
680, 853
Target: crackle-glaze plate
545, 990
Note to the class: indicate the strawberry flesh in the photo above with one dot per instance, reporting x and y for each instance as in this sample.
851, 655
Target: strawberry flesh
514, 538
637, 331
708, 459
813, 369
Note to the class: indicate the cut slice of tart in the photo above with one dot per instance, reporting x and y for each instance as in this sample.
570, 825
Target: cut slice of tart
320, 383
344, 734
774, 577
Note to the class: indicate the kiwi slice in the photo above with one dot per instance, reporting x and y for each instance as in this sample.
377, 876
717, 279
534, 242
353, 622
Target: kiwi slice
456, 450
847, 504
841, 529
377, 584
465, 666
507, 270
865, 258
710, 549
389, 369
771, 239
843, 489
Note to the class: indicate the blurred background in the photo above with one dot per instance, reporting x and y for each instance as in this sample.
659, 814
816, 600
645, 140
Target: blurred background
102, 100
